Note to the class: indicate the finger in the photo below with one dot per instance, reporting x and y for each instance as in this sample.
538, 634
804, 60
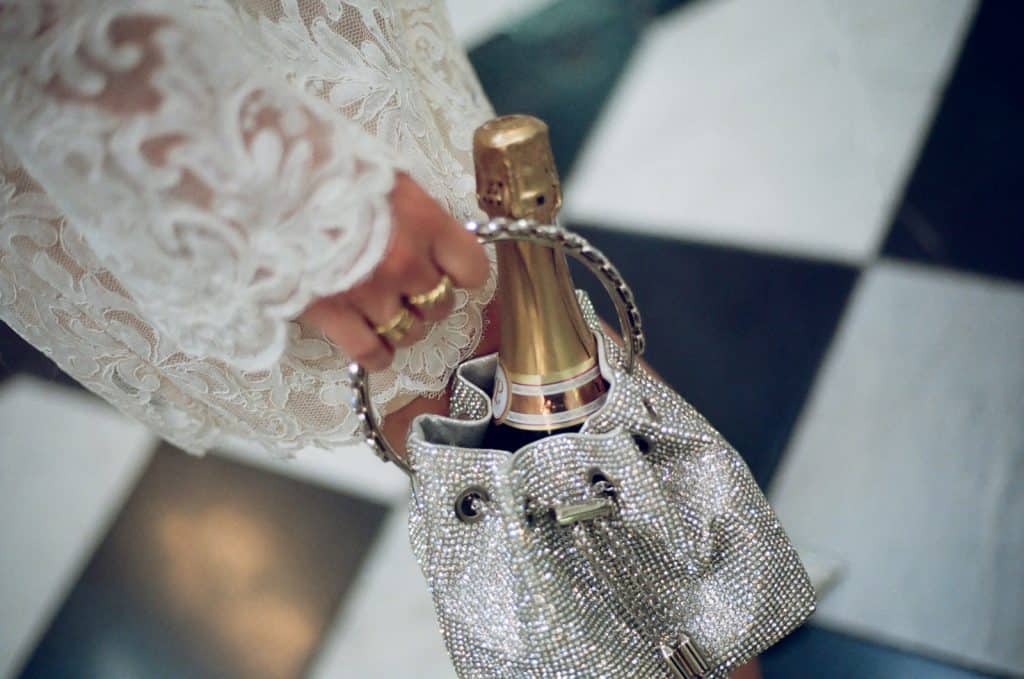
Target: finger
408, 268
380, 306
428, 281
402, 264
458, 253
451, 247
347, 328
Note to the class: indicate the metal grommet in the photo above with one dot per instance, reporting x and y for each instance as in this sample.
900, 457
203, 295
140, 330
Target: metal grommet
469, 504
600, 484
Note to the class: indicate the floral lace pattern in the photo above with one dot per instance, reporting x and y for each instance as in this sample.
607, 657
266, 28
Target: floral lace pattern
178, 182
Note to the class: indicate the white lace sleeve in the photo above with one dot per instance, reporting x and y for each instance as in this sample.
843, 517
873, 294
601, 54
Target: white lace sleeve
223, 199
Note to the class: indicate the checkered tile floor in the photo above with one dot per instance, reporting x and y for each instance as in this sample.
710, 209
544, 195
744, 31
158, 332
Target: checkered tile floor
820, 208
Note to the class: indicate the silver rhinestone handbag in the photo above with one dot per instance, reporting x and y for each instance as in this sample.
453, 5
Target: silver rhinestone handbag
638, 547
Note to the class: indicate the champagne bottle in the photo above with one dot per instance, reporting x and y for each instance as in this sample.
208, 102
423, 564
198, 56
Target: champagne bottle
548, 379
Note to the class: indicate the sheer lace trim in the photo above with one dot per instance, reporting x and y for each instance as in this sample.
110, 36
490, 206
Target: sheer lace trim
188, 189
223, 200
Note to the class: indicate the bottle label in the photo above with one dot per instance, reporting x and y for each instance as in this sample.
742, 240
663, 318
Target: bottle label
559, 403
500, 399
556, 420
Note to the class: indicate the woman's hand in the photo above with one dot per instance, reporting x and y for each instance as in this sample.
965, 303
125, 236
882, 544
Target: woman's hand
426, 243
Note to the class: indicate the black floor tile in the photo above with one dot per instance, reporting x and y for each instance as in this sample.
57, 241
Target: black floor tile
211, 569
18, 356
660, 7
739, 334
815, 653
964, 204
560, 64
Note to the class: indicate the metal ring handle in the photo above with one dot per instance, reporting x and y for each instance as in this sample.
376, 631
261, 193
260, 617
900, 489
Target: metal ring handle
580, 249
544, 234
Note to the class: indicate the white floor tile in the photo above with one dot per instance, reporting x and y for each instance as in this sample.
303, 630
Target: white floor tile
783, 125
475, 21
908, 466
387, 626
67, 461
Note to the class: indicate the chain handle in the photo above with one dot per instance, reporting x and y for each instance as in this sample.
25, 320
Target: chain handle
553, 236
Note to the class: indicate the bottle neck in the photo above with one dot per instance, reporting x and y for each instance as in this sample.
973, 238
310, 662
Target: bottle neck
548, 377
543, 334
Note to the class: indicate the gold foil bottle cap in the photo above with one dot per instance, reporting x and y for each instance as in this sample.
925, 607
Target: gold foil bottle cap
515, 169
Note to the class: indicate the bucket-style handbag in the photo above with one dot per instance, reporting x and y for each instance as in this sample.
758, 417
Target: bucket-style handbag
639, 546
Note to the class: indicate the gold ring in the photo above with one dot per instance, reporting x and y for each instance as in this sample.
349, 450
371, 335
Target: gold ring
395, 330
439, 294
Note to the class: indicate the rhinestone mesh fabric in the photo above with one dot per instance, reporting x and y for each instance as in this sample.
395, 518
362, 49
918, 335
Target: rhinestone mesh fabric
691, 549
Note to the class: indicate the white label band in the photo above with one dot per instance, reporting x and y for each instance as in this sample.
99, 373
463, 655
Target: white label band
554, 419
586, 376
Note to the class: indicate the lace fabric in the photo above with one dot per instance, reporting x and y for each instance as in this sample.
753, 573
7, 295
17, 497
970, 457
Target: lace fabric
179, 180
